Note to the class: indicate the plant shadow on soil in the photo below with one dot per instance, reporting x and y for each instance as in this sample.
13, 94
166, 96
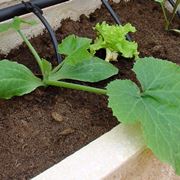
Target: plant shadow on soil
42, 128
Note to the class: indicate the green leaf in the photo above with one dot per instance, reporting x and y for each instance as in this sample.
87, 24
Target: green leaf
156, 106
15, 24
78, 56
76, 49
89, 70
113, 37
80, 64
73, 43
16, 80
47, 68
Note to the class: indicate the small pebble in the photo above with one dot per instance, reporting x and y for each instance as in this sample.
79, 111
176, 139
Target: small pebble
157, 48
57, 117
28, 97
67, 132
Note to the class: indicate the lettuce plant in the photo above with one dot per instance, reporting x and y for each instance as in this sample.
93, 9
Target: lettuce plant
168, 20
113, 39
154, 103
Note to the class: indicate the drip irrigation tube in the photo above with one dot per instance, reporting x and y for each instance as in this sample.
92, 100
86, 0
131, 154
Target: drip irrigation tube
20, 9
34, 6
39, 13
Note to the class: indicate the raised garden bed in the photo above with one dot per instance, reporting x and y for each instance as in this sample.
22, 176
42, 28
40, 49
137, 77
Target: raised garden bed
42, 128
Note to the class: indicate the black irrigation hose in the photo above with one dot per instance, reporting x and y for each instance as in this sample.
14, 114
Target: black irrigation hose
39, 13
34, 6
115, 16
20, 9
173, 4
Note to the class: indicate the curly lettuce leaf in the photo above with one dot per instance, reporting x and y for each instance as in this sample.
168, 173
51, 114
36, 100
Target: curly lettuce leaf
113, 38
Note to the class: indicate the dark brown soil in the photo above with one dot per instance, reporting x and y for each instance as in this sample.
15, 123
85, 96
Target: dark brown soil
42, 128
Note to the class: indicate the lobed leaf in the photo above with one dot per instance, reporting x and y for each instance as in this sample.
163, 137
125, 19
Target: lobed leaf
156, 105
16, 80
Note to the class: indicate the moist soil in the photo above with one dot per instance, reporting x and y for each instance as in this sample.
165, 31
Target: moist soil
40, 129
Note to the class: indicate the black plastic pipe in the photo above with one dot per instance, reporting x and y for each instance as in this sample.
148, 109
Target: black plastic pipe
20, 9
52, 36
39, 13
34, 6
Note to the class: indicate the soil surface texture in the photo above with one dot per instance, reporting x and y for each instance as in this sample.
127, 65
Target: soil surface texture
40, 129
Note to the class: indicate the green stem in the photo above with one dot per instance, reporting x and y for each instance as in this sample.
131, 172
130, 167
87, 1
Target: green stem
34, 52
174, 11
76, 87
165, 16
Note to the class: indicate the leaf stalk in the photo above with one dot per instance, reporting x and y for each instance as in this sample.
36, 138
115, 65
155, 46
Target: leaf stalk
33, 51
76, 87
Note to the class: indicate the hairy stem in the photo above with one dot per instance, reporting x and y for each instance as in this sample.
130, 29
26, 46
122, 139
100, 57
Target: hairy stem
76, 87
33, 51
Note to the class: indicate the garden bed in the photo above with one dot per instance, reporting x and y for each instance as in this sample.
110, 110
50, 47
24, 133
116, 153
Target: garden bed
42, 128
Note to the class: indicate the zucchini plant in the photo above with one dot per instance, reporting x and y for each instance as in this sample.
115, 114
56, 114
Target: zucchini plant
154, 103
16, 79
168, 20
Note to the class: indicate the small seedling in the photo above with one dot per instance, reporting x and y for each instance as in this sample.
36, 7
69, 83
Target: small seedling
113, 39
154, 104
168, 20
16, 79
